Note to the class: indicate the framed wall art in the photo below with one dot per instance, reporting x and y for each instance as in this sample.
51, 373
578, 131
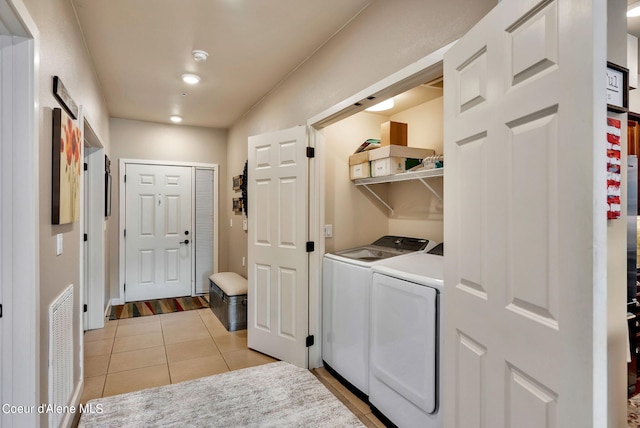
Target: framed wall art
67, 166
237, 206
107, 186
617, 88
237, 183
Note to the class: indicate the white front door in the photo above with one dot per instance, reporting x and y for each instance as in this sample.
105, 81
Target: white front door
524, 139
158, 232
278, 262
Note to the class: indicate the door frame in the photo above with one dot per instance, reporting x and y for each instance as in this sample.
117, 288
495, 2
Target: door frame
122, 216
92, 219
421, 71
19, 201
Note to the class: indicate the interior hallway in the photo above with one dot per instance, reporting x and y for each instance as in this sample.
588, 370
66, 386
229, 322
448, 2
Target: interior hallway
145, 352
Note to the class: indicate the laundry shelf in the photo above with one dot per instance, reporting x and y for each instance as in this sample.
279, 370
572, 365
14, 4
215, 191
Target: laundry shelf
421, 176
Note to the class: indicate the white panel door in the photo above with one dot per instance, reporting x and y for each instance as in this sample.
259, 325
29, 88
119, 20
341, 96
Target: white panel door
278, 262
521, 219
158, 232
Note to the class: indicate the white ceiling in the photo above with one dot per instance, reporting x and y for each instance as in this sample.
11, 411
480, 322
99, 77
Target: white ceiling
140, 48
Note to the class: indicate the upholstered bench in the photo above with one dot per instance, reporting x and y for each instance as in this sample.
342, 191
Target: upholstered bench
228, 299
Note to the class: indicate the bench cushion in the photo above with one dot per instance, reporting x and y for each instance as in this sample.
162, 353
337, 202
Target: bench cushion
230, 282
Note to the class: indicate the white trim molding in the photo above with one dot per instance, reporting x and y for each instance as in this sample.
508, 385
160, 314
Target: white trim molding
19, 231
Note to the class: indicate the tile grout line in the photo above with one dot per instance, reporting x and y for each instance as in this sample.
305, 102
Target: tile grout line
214, 342
104, 384
166, 353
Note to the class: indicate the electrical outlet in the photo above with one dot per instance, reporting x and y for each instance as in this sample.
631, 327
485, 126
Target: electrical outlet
230, 222
245, 226
244, 261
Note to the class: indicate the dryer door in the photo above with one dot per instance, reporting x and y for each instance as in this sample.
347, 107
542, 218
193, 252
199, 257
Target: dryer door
403, 339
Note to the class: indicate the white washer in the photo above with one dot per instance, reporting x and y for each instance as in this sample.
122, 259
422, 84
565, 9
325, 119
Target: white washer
405, 378
346, 287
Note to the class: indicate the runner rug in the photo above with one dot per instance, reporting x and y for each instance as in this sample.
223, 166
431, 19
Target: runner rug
272, 395
155, 307
633, 412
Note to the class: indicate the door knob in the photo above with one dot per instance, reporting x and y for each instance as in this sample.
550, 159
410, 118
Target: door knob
186, 232
186, 241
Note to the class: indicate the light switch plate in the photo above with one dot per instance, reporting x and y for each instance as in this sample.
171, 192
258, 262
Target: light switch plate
59, 244
328, 231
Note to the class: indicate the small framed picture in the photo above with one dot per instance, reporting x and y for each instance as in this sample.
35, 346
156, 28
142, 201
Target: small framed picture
237, 205
617, 88
237, 183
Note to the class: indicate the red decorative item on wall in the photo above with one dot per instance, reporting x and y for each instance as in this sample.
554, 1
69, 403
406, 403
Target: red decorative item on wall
613, 168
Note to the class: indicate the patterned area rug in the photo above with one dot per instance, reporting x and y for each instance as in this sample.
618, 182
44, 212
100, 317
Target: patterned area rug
155, 307
633, 412
272, 395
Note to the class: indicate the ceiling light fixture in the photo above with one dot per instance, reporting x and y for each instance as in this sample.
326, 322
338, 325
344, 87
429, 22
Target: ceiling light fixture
633, 10
199, 55
384, 105
175, 118
191, 79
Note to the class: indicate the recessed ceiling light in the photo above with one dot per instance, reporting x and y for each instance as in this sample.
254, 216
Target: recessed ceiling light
191, 79
199, 55
384, 105
175, 118
633, 10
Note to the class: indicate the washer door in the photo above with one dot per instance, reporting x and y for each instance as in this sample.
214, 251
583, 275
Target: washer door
403, 339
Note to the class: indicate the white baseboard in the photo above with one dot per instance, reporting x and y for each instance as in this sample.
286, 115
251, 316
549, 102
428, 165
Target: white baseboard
75, 401
116, 301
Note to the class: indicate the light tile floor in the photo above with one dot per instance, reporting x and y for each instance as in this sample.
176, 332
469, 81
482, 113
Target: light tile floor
137, 353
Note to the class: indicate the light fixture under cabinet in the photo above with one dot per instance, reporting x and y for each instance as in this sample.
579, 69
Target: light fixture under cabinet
175, 118
633, 10
384, 105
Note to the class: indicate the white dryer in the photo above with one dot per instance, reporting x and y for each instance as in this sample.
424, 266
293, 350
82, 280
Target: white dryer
345, 306
405, 378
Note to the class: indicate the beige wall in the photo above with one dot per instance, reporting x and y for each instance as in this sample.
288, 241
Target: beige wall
634, 99
132, 139
417, 212
357, 218
383, 39
62, 53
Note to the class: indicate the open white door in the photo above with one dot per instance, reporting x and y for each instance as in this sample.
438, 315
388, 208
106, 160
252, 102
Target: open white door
524, 142
278, 262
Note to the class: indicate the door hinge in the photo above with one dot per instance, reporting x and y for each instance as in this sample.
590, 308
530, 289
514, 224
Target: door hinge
125, 287
85, 308
0, 310
86, 237
125, 233
125, 178
311, 246
311, 152
86, 166
310, 341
